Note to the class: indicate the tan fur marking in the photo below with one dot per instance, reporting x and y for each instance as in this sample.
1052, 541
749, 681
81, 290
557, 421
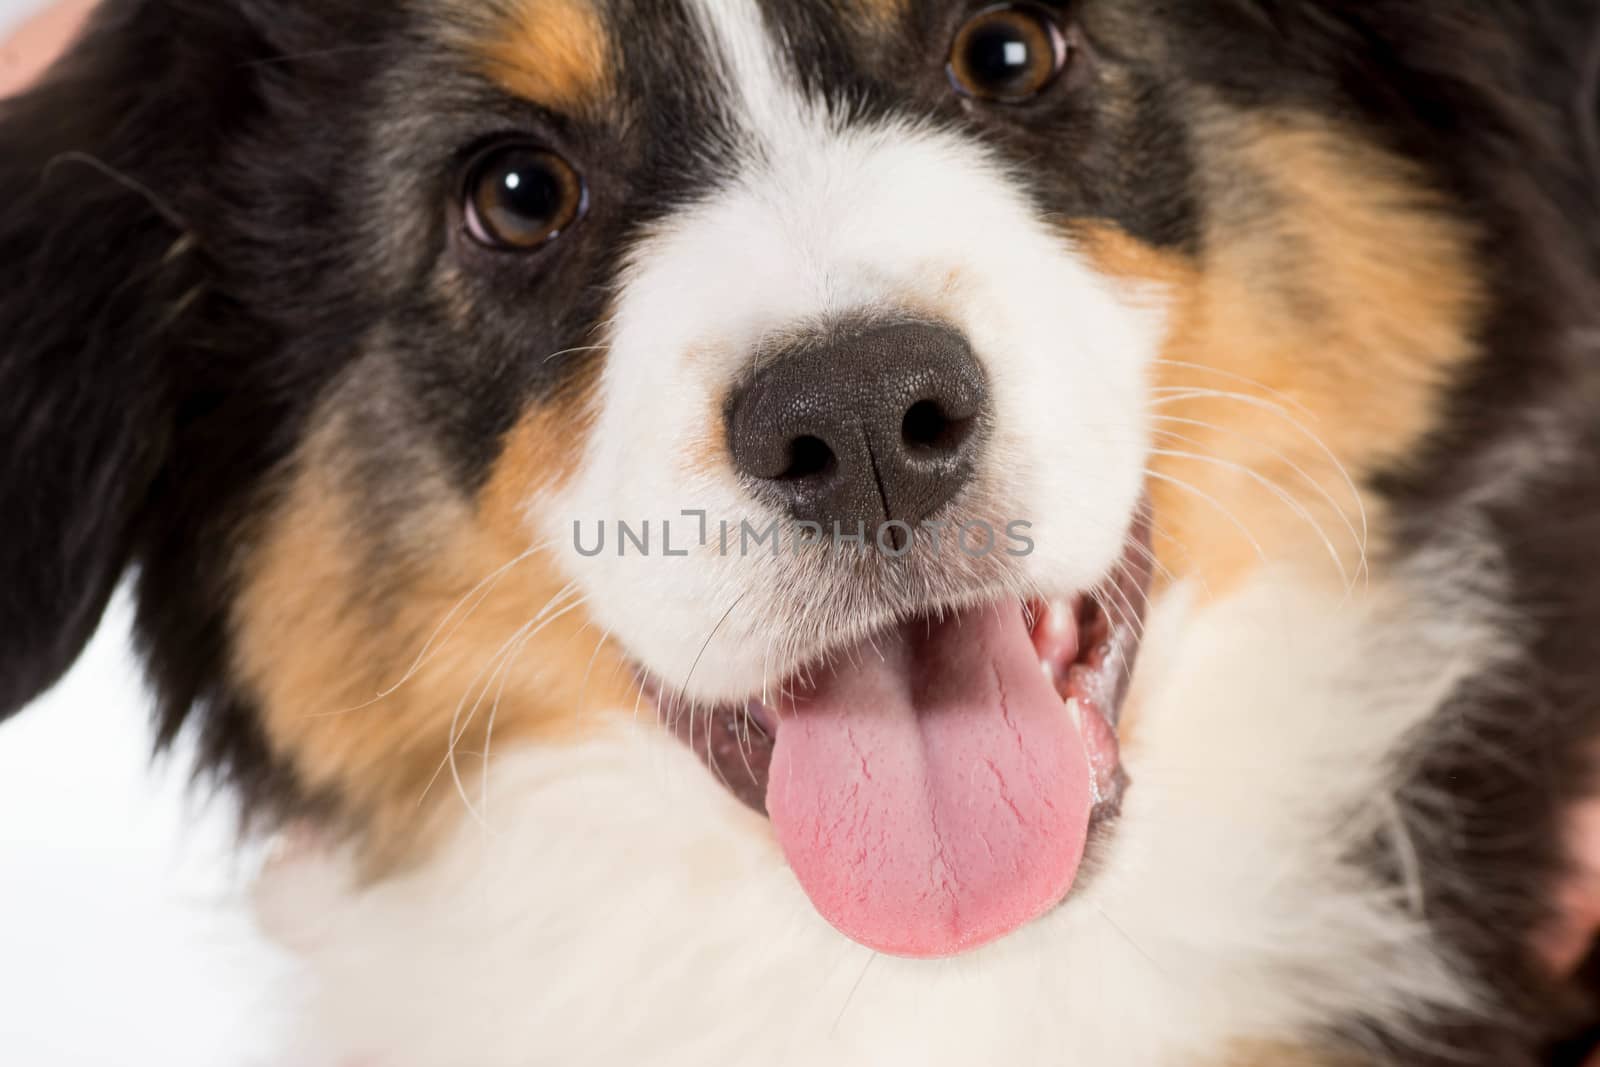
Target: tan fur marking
707, 455
541, 452
330, 628
553, 52
1335, 300
882, 15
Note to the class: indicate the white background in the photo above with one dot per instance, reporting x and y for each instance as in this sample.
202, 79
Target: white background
123, 941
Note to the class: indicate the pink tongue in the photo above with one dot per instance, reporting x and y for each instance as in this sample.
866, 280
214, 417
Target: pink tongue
932, 794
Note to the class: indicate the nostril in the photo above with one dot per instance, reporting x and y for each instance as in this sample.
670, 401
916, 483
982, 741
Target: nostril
809, 457
927, 428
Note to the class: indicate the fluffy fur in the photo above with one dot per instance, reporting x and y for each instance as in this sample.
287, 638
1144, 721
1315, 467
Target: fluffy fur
709, 950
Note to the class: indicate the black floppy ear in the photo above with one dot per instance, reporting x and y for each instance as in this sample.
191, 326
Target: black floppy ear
97, 166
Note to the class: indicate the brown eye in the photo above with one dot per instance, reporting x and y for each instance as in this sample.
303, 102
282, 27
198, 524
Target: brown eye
519, 198
1008, 53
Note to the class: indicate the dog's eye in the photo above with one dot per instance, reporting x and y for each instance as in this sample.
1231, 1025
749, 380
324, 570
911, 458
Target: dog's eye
1008, 53
519, 198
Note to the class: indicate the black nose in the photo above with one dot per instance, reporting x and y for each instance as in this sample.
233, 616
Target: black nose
864, 427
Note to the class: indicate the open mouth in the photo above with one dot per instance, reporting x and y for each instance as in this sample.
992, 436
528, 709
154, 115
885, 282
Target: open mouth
936, 787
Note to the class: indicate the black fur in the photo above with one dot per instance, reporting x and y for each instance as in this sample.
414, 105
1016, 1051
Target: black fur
213, 209
148, 386
1494, 99
96, 319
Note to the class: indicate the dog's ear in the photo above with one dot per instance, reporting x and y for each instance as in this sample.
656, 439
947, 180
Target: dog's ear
102, 267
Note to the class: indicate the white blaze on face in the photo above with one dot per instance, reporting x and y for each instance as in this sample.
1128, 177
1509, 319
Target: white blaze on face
816, 220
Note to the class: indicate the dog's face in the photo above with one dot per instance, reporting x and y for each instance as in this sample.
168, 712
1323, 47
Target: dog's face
847, 388
988, 277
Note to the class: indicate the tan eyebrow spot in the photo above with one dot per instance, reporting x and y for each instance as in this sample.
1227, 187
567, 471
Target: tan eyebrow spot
553, 52
882, 14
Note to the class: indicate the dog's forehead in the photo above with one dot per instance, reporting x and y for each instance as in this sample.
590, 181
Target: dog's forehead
590, 56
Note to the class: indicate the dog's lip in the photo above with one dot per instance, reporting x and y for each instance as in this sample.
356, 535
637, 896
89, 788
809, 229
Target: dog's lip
1087, 645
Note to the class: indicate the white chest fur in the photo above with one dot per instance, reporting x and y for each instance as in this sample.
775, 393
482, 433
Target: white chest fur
617, 907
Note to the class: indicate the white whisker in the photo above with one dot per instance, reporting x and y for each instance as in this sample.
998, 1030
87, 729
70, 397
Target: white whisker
1279, 411
1359, 537
1283, 496
481, 591
461, 720
1276, 394
1215, 503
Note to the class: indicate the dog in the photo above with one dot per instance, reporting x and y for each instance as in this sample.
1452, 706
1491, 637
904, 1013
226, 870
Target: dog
863, 532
